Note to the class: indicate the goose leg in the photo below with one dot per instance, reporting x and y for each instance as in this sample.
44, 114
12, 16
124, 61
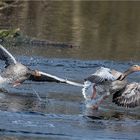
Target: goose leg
96, 106
102, 99
94, 92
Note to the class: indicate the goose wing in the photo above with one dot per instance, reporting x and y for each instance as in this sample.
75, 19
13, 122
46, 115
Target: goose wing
43, 76
129, 96
6, 56
101, 75
99, 79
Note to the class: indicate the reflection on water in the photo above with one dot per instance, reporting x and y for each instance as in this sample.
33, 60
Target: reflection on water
103, 30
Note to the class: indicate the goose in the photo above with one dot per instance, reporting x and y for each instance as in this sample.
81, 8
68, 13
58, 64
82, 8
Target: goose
16, 73
105, 82
128, 96
95, 89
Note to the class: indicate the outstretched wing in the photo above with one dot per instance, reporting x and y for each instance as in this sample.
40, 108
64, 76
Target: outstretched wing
129, 96
100, 78
101, 75
6, 56
42, 76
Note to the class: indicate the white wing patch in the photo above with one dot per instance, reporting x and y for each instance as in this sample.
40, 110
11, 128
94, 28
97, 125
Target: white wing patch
98, 79
8, 54
104, 73
61, 79
87, 90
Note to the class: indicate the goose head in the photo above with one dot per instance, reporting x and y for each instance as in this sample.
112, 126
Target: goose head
132, 69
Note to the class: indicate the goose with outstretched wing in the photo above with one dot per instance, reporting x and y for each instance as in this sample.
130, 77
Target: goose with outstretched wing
95, 89
105, 82
16, 73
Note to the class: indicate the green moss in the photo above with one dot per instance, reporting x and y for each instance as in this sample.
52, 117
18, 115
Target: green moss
9, 33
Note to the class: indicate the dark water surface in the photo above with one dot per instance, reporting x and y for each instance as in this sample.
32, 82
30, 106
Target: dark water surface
108, 35
103, 30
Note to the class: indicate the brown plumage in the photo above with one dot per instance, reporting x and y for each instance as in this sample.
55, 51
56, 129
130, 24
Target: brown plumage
105, 82
16, 73
129, 96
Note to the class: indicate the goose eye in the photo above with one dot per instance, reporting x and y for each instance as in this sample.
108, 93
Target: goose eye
135, 66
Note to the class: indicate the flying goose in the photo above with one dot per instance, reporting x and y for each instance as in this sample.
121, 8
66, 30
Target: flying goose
16, 73
105, 82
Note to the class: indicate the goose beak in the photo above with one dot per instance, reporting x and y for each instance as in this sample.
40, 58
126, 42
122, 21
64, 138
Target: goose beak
138, 68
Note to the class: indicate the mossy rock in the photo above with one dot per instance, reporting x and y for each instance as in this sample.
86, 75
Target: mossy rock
7, 33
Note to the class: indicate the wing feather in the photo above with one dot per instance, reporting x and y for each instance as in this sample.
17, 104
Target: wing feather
6, 56
101, 78
101, 75
43, 76
129, 96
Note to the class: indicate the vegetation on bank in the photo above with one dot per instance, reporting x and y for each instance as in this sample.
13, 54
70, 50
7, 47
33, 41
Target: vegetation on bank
16, 37
9, 33
6, 4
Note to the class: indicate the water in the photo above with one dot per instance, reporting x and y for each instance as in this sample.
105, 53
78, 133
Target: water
61, 113
105, 38
94, 26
